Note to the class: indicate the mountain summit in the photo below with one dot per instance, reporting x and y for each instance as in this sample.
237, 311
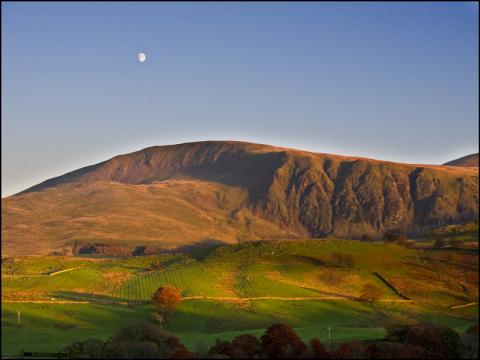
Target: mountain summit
468, 161
234, 191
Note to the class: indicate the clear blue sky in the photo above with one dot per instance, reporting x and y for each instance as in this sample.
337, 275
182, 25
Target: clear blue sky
387, 81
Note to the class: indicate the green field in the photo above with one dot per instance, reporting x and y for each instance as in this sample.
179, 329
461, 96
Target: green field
237, 289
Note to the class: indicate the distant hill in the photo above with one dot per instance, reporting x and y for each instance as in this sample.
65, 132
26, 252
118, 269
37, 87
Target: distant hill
234, 191
467, 161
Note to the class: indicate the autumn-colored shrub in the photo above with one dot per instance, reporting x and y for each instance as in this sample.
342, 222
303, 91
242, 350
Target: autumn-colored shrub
281, 342
165, 299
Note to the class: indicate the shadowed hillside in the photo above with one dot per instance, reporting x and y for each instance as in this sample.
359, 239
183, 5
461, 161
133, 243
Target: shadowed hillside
234, 191
467, 161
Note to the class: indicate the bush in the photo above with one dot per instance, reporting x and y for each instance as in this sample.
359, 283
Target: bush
281, 342
317, 350
391, 350
88, 349
143, 340
350, 350
134, 349
220, 348
244, 346
470, 342
436, 341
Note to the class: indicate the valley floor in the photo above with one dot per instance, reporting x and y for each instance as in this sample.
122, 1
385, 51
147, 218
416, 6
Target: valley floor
49, 302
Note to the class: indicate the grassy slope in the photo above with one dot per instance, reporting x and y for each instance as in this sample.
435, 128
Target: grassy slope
287, 269
47, 327
168, 213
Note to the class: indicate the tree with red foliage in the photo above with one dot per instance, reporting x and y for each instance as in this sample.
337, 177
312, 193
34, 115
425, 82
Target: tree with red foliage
318, 351
165, 299
281, 342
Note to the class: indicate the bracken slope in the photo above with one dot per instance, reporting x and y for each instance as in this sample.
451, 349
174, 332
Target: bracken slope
234, 191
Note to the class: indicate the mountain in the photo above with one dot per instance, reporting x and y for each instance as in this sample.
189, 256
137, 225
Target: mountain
467, 161
234, 191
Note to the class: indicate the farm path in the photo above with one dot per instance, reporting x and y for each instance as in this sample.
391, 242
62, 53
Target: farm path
41, 275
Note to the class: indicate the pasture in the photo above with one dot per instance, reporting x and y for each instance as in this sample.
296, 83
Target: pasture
237, 289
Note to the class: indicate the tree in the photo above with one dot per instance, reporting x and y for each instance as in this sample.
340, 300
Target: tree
318, 351
281, 342
165, 299
245, 346
134, 349
439, 243
87, 349
220, 348
350, 350
139, 340
470, 342
435, 340
177, 349
392, 350
370, 293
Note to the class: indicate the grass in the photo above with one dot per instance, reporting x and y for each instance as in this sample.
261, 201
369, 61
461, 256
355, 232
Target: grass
275, 269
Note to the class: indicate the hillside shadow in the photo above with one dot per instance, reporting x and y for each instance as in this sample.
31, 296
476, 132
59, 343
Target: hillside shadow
202, 249
310, 260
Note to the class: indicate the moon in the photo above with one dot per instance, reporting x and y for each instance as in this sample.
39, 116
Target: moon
142, 57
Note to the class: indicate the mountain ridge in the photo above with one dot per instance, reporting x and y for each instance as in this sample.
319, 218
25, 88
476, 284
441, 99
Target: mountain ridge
251, 146
465, 161
250, 191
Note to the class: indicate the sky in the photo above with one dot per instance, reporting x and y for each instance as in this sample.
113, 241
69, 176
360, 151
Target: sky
390, 81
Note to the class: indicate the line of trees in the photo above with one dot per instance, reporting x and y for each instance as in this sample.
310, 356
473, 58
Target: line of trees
147, 341
144, 340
